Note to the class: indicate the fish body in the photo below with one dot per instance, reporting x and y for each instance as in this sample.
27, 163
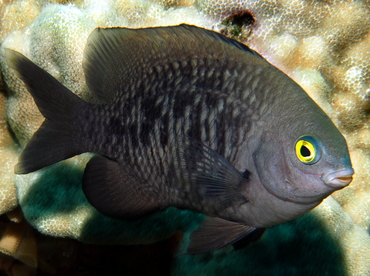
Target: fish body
192, 119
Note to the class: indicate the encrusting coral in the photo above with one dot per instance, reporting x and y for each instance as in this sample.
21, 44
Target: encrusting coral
8, 153
323, 45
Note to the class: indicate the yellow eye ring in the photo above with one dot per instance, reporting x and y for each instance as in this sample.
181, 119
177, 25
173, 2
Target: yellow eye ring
306, 150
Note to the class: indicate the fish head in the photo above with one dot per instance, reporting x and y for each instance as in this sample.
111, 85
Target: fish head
305, 163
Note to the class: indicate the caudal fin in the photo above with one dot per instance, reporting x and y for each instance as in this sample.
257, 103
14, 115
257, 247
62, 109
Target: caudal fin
52, 141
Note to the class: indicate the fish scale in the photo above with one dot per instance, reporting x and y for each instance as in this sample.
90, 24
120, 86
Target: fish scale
191, 119
139, 147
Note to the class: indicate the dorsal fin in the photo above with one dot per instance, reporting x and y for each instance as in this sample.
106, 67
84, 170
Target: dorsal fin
115, 56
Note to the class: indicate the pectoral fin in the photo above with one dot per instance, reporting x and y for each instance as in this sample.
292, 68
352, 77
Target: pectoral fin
216, 233
116, 193
210, 173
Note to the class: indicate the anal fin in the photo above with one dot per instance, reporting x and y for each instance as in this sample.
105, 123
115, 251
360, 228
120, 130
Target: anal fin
215, 233
116, 193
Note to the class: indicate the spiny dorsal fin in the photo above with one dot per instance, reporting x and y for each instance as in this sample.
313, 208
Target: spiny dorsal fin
115, 56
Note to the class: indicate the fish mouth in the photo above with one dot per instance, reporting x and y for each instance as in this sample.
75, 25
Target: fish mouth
338, 179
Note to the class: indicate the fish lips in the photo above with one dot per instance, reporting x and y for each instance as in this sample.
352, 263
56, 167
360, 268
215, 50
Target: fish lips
333, 180
314, 190
338, 179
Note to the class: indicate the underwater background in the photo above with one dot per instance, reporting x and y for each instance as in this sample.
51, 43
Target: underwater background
47, 226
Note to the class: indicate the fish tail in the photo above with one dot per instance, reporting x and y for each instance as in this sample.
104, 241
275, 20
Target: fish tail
52, 142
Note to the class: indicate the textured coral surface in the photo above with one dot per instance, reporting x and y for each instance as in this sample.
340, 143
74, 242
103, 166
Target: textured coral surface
323, 45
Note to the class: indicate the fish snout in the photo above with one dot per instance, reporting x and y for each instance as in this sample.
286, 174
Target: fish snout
338, 179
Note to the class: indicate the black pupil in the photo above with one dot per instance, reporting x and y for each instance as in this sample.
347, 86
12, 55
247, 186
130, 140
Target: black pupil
305, 152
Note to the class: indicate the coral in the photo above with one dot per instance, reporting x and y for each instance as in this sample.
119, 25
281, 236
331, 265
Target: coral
8, 152
323, 45
14, 15
174, 3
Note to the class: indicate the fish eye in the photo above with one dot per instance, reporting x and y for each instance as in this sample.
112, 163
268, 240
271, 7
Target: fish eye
307, 150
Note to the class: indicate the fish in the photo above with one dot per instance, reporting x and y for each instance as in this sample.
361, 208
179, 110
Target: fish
186, 117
